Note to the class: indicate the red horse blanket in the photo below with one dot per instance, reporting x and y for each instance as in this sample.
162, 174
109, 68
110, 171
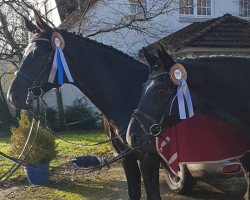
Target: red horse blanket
200, 139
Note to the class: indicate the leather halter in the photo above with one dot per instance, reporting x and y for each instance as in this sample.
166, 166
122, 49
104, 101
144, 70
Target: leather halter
155, 128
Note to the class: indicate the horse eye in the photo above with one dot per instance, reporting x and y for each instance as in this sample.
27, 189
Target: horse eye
161, 91
155, 67
38, 52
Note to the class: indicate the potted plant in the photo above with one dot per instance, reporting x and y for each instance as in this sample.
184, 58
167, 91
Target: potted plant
43, 149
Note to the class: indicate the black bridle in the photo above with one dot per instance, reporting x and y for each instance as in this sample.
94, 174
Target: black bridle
35, 91
155, 127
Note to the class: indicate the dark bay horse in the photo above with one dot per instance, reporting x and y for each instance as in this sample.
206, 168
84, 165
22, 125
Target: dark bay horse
219, 87
108, 77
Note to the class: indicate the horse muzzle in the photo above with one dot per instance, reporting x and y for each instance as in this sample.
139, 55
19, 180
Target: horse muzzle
17, 101
135, 137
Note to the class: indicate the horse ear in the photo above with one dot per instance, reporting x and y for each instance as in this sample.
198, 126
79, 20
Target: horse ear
41, 24
30, 26
165, 57
151, 58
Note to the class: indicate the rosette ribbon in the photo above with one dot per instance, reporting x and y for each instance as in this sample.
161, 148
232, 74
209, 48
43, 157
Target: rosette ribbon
59, 65
183, 95
178, 75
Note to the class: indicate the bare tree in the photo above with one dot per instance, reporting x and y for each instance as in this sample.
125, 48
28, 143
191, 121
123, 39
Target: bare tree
140, 17
13, 34
128, 25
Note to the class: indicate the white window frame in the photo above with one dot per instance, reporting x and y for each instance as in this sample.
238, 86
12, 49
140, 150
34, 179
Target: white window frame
188, 8
195, 12
241, 8
204, 7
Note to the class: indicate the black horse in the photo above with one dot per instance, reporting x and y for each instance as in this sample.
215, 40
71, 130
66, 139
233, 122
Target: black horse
109, 78
219, 87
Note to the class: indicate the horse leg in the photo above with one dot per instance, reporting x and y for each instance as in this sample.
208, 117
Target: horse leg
149, 166
133, 176
245, 162
129, 162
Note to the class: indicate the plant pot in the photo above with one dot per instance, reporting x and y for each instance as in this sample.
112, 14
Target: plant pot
37, 173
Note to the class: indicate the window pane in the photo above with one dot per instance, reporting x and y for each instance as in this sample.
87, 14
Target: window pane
209, 3
192, 11
203, 3
198, 2
209, 11
244, 8
204, 11
186, 7
203, 7
185, 10
181, 10
199, 11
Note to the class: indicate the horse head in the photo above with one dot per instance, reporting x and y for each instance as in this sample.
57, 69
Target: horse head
157, 95
36, 64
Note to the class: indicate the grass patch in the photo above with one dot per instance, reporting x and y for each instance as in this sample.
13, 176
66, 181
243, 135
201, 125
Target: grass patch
4, 147
62, 187
68, 151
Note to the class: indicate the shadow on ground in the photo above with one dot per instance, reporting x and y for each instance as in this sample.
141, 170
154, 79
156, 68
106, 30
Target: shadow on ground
92, 189
212, 189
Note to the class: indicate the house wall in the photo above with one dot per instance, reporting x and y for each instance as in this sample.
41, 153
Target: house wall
130, 41
226, 6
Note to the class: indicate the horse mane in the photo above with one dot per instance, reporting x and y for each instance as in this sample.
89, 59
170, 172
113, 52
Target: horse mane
80, 36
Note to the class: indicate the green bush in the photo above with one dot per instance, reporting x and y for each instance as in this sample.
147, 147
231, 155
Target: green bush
6, 118
51, 119
77, 112
44, 147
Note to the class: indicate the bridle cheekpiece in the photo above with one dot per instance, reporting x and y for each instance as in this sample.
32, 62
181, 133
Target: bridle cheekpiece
178, 75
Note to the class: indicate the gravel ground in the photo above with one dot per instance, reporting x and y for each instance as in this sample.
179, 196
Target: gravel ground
111, 185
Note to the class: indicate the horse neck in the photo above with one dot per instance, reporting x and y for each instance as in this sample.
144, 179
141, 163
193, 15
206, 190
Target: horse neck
215, 70
218, 88
111, 80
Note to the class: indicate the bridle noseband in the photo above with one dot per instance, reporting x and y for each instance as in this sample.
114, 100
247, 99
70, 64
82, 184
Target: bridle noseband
155, 127
35, 91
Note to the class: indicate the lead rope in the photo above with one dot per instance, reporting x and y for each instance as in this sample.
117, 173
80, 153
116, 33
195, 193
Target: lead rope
19, 162
89, 170
77, 122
